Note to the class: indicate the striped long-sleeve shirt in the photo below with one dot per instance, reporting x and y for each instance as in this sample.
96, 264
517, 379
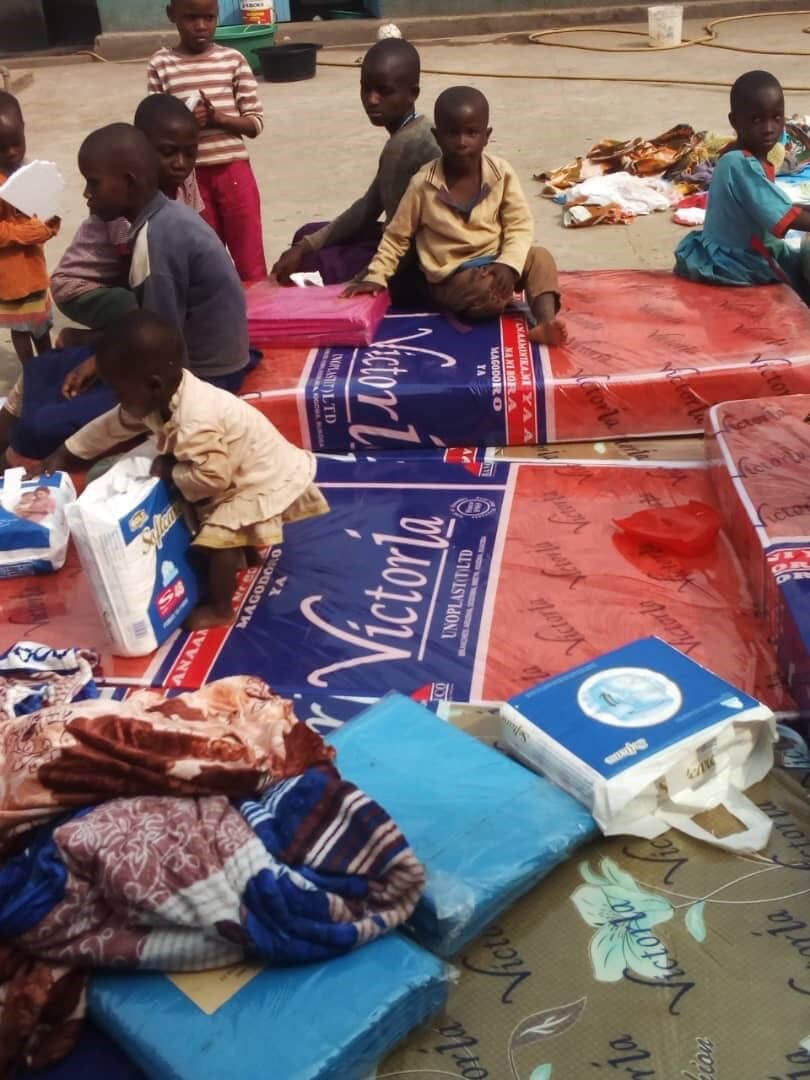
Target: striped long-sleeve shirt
228, 83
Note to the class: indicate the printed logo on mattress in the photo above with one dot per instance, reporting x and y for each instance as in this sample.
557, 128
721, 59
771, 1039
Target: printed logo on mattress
427, 382
392, 592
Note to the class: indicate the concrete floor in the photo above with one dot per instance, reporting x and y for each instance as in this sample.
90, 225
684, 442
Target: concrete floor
318, 151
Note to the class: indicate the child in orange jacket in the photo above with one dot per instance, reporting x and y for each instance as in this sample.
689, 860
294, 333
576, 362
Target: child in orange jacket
25, 306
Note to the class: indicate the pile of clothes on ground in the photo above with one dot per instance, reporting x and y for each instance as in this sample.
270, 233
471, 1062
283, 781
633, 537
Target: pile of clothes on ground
619, 180
172, 834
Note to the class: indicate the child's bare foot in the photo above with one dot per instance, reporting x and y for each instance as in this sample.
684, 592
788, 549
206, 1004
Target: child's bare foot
205, 617
549, 333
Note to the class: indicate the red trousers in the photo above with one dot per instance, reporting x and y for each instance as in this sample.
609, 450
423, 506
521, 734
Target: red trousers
233, 210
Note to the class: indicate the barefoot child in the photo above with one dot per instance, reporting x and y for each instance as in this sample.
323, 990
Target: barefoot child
242, 478
25, 307
228, 111
343, 248
472, 227
178, 270
741, 242
89, 284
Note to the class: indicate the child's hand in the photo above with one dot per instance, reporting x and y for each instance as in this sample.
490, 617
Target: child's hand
205, 112
162, 467
80, 379
54, 224
61, 460
361, 288
504, 280
289, 263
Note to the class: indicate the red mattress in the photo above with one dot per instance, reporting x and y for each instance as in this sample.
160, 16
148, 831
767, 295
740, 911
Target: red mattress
648, 353
457, 579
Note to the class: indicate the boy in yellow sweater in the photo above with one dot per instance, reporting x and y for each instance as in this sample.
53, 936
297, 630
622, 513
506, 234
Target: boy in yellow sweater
472, 227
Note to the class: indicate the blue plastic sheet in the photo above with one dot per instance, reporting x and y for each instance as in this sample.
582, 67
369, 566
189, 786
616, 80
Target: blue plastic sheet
486, 828
331, 1021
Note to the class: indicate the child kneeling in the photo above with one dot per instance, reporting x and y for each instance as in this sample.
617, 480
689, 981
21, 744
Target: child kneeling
472, 227
242, 478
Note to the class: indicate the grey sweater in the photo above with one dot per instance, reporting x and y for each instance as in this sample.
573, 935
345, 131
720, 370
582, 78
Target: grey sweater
181, 272
406, 151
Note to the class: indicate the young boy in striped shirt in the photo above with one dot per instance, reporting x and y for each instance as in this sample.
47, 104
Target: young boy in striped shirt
228, 110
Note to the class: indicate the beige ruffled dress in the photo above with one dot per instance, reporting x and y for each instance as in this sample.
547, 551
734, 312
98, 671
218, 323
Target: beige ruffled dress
244, 480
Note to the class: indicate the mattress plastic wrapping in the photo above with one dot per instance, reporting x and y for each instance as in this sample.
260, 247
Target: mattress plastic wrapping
451, 578
662, 958
331, 1021
759, 453
647, 354
485, 828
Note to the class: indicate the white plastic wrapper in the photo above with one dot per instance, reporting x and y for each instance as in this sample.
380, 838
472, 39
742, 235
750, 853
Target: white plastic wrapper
134, 545
34, 533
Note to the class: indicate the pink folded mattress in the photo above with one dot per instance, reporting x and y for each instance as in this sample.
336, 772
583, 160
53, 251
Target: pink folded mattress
312, 316
648, 353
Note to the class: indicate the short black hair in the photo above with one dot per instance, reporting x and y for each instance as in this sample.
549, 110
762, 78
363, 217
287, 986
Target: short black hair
9, 106
126, 148
399, 52
158, 109
140, 342
749, 86
450, 101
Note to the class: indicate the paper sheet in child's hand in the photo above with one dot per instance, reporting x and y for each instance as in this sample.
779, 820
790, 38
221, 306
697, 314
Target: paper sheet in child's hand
35, 188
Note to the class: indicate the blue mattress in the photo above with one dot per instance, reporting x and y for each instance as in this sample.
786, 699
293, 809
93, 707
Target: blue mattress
331, 1021
486, 828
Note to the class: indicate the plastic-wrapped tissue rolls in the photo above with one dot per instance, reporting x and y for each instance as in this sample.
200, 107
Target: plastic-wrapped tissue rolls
34, 533
134, 544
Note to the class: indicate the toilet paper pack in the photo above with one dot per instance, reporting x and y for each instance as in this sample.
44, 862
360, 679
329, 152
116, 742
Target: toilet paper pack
134, 544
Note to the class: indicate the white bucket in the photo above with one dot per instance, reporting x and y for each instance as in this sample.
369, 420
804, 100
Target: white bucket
664, 25
257, 11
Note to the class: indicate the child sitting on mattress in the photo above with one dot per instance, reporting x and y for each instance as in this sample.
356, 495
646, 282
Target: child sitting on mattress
472, 227
89, 284
342, 248
742, 239
178, 270
244, 481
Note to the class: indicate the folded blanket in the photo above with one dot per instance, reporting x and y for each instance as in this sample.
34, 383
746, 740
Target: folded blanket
232, 737
306, 869
186, 885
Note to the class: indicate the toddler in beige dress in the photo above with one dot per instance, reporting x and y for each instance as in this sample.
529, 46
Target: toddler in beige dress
242, 478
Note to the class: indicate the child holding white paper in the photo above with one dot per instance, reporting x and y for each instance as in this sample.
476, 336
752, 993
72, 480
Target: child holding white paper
25, 306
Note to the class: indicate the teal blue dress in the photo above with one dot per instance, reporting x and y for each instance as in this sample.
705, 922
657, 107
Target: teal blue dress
741, 242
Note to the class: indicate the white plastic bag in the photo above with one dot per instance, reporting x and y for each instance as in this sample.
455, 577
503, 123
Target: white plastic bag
34, 533
134, 545
647, 739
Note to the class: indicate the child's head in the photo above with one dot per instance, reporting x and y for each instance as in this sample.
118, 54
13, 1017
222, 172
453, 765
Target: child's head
757, 112
389, 82
141, 359
12, 133
120, 169
174, 133
462, 126
196, 22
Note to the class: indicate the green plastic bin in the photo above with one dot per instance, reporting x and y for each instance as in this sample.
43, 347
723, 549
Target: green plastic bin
247, 39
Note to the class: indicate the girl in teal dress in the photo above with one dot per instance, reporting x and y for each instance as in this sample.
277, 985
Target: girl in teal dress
742, 239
